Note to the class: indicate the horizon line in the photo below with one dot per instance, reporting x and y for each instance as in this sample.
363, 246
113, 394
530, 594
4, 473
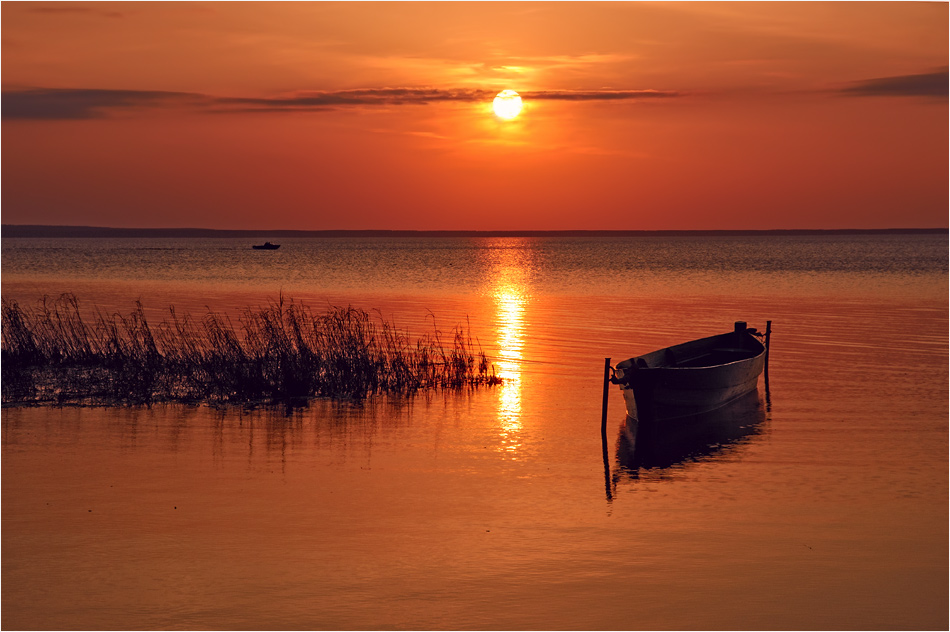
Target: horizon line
23, 231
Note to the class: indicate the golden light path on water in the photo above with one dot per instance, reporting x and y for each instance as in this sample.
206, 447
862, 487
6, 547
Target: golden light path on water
509, 294
510, 316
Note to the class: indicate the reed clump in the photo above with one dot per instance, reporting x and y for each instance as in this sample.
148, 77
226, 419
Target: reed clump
283, 351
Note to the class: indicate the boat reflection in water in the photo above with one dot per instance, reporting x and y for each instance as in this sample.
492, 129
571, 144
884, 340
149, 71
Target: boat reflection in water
658, 445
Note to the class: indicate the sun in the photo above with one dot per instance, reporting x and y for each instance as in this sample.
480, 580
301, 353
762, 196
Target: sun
507, 104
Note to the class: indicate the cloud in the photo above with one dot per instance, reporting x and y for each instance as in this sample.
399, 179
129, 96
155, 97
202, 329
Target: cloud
66, 103
423, 96
600, 95
931, 84
365, 96
71, 104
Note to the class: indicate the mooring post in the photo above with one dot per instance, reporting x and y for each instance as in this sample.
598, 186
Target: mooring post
768, 335
603, 429
603, 415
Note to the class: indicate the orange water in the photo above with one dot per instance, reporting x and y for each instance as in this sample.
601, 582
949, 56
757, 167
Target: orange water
492, 509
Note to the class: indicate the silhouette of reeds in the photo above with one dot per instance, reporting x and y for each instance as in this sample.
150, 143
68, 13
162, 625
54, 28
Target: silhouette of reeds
282, 351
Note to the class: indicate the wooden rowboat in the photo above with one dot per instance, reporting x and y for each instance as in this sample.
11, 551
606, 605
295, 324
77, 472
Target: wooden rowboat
692, 378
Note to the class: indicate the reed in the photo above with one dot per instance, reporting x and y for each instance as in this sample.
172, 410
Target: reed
282, 351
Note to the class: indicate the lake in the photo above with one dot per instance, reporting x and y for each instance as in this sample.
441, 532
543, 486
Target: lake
498, 507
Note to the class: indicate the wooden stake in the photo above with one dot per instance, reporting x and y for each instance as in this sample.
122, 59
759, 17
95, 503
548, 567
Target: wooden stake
603, 429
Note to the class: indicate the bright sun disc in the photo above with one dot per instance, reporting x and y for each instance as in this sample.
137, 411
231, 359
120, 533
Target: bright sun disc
507, 104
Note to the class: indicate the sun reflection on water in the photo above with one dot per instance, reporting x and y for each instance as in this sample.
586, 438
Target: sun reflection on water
510, 318
509, 292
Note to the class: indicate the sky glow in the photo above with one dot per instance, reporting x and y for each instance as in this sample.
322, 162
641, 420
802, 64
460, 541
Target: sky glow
379, 116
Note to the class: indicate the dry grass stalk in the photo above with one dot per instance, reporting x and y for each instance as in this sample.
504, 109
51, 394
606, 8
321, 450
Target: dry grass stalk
283, 351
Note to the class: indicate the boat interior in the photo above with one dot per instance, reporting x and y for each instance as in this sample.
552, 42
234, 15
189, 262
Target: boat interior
708, 352
713, 358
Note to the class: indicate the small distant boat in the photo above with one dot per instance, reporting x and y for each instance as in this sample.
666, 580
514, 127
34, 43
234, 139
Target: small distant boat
266, 246
692, 378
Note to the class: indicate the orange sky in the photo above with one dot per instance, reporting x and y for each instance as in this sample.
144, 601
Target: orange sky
303, 115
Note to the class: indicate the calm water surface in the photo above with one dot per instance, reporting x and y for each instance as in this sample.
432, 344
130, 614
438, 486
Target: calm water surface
493, 509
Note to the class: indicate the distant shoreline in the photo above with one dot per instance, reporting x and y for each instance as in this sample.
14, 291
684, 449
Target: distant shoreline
39, 231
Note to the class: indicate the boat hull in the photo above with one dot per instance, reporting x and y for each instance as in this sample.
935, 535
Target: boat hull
692, 378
